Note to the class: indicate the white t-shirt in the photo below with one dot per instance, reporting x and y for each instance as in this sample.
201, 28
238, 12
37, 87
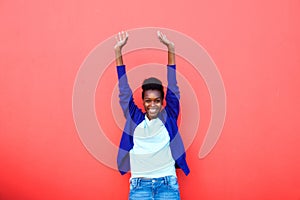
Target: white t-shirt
151, 155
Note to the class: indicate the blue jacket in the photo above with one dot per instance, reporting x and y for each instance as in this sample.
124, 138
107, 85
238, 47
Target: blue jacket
135, 116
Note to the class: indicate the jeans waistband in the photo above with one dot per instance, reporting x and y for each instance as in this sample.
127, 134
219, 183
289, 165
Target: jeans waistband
165, 179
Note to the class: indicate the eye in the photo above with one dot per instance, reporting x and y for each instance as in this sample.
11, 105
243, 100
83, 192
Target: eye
147, 101
157, 101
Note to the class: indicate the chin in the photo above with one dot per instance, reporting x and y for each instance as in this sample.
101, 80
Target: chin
152, 116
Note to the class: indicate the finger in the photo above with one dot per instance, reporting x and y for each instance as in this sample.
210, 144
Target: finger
165, 38
123, 35
120, 36
158, 34
161, 35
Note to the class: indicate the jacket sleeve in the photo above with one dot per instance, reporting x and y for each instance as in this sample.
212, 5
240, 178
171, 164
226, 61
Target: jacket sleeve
173, 94
126, 99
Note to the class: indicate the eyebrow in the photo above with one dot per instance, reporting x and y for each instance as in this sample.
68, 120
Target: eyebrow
152, 98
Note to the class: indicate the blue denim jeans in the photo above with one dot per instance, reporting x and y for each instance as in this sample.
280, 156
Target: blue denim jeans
154, 188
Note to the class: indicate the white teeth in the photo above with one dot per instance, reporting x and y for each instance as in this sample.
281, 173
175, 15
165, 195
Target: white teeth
152, 110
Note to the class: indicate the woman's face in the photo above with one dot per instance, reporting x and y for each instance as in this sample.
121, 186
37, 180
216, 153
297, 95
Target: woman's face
152, 103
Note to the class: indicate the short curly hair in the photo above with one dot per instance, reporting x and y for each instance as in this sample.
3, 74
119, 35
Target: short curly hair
153, 83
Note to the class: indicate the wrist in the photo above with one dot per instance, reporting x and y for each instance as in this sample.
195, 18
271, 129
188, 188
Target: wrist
118, 49
171, 47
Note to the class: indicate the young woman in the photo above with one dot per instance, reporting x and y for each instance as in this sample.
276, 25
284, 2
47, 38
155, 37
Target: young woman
151, 147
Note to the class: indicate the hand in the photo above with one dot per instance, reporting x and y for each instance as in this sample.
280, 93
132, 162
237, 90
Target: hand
121, 38
163, 38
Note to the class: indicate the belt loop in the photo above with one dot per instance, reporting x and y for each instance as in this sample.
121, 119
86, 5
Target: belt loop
139, 182
134, 182
166, 179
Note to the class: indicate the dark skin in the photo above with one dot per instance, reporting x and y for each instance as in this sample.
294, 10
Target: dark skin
152, 98
152, 103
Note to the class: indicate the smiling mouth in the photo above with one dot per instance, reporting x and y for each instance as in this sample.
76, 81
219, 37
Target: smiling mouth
152, 110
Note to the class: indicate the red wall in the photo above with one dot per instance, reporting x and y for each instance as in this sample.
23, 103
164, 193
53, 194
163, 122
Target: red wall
255, 45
